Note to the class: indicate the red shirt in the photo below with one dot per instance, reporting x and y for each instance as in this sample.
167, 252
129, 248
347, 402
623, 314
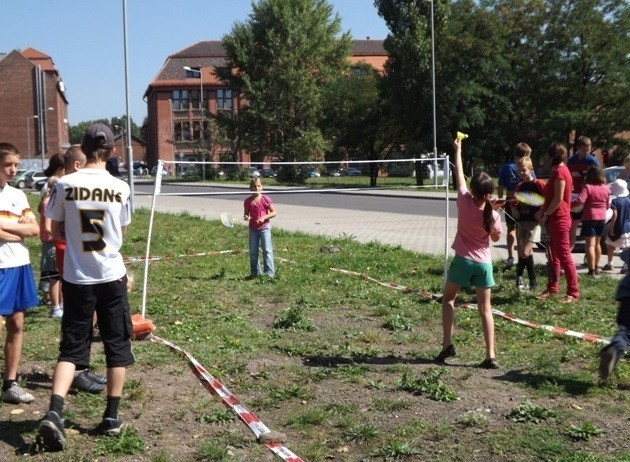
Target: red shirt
561, 172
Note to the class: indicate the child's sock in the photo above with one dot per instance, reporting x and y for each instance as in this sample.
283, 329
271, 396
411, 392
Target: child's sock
6, 384
56, 404
111, 411
520, 266
531, 271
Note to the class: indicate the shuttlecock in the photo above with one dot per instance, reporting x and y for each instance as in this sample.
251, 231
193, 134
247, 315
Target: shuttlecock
461, 136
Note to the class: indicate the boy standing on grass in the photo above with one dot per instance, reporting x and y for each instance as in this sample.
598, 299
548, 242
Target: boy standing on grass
259, 209
528, 230
91, 209
17, 286
508, 179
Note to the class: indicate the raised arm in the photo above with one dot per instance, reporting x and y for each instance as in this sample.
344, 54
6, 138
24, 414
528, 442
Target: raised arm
459, 167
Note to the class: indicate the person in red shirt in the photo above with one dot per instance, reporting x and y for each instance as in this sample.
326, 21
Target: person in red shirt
555, 215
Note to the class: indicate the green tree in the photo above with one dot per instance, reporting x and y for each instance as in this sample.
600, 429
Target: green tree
117, 125
355, 118
279, 60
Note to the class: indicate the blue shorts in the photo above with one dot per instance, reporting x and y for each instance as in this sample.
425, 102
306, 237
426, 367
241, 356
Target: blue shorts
17, 290
465, 273
591, 228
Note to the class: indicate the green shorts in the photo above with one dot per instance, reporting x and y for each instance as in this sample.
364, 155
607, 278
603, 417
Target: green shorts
465, 273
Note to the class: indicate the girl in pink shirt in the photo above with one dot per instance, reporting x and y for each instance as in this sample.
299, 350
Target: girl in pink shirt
477, 223
595, 196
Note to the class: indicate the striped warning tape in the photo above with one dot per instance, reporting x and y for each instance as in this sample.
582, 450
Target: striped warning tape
555, 330
389, 285
170, 257
230, 401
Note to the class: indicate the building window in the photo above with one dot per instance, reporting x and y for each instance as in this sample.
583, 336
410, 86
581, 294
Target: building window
180, 99
224, 99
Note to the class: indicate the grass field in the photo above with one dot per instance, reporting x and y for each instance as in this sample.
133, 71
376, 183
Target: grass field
341, 365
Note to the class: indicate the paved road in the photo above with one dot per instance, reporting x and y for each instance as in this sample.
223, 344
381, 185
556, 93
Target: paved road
409, 203
415, 220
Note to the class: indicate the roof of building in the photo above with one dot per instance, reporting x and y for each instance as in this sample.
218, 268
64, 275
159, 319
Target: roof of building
40, 59
210, 54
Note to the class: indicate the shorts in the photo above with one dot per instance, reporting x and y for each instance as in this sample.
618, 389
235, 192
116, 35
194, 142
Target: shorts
465, 273
109, 300
528, 230
577, 216
17, 290
48, 266
510, 223
592, 228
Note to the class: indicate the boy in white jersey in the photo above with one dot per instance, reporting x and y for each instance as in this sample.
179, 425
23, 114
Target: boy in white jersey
17, 286
90, 209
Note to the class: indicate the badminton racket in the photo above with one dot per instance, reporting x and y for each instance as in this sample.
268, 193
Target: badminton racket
529, 198
524, 197
227, 220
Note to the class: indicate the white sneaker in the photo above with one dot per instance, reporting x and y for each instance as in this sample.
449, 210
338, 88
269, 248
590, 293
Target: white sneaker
57, 313
17, 395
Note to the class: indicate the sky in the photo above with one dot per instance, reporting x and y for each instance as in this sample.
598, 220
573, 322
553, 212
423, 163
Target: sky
86, 42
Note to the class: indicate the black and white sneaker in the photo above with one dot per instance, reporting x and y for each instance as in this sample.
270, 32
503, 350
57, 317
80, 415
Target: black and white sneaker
607, 361
102, 379
111, 427
51, 434
83, 382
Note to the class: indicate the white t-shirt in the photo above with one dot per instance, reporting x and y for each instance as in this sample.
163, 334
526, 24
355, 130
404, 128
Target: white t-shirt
94, 207
13, 205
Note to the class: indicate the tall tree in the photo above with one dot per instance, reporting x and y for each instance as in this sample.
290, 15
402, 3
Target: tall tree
279, 60
355, 117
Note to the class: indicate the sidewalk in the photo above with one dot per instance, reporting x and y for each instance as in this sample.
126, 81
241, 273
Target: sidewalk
420, 233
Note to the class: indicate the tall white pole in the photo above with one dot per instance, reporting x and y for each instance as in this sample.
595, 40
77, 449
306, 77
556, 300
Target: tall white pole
129, 149
435, 163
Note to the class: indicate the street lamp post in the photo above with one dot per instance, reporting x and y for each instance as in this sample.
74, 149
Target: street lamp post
28, 133
201, 128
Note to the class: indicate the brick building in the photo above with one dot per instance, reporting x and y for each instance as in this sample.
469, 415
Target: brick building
186, 90
33, 105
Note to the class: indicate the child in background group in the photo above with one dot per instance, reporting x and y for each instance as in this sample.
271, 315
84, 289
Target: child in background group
595, 196
17, 286
528, 230
508, 179
619, 225
259, 209
50, 281
477, 224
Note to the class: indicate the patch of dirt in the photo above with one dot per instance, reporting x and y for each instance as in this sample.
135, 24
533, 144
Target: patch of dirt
168, 410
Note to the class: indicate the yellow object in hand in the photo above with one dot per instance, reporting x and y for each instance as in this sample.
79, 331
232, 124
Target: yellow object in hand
461, 136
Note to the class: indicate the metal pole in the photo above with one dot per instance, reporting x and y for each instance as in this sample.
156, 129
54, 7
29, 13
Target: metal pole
28, 133
203, 140
446, 237
129, 149
433, 88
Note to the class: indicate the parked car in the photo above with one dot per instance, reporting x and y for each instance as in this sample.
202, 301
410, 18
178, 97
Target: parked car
331, 172
39, 184
154, 171
612, 173
313, 173
32, 176
18, 179
268, 173
140, 168
350, 171
252, 172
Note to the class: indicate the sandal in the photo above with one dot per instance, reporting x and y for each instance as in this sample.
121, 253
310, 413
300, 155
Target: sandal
545, 295
446, 353
490, 363
568, 299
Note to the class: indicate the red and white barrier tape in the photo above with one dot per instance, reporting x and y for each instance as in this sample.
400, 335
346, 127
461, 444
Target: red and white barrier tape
389, 285
555, 330
230, 401
170, 257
